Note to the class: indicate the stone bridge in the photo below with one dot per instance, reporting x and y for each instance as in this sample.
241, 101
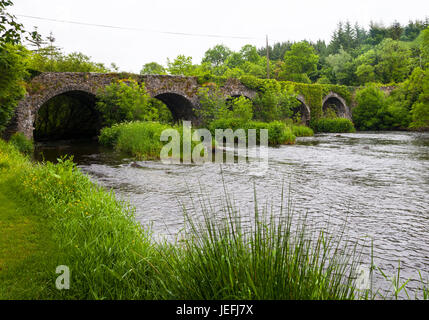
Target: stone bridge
179, 93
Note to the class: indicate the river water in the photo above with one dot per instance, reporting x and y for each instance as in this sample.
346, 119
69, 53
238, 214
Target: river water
375, 183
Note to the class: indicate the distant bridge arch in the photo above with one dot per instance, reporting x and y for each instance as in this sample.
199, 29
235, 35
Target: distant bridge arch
337, 103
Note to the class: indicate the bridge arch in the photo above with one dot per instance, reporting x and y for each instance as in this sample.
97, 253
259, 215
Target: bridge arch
27, 111
303, 110
70, 114
181, 106
337, 103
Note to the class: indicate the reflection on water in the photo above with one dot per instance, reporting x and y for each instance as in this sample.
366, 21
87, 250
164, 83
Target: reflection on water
378, 181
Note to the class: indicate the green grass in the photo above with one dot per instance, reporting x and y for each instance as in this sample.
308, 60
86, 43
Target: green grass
274, 257
302, 131
337, 125
21, 142
26, 243
139, 139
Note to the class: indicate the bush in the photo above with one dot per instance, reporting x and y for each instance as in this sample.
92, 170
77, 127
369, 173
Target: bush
278, 132
371, 111
302, 131
242, 108
212, 105
274, 102
338, 125
109, 135
20, 142
139, 139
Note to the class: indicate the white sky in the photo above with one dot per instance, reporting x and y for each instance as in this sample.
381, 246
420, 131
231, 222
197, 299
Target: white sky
282, 20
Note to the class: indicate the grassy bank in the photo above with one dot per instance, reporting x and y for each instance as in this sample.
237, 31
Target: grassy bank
336, 125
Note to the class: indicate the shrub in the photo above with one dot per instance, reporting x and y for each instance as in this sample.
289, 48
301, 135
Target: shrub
338, 125
274, 102
212, 105
302, 131
20, 142
140, 139
371, 111
109, 135
242, 108
278, 132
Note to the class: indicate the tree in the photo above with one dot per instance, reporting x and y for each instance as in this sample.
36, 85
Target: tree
55, 61
12, 72
371, 110
182, 65
424, 48
242, 108
250, 54
342, 67
212, 105
10, 30
393, 61
125, 100
419, 82
153, 68
365, 73
12, 63
300, 60
217, 55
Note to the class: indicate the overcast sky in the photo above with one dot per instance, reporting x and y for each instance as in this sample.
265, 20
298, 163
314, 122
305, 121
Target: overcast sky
282, 20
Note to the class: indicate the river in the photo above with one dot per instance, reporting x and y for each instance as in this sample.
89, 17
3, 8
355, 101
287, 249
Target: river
376, 183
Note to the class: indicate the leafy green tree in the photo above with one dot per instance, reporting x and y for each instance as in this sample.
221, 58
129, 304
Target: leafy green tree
274, 102
420, 108
234, 60
343, 67
217, 55
182, 65
242, 108
365, 73
393, 61
10, 30
212, 105
300, 60
250, 54
73, 62
12, 72
424, 48
153, 68
371, 110
125, 100
403, 98
13, 58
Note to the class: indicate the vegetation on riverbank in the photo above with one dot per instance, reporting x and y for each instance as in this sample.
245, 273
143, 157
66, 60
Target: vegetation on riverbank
337, 125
